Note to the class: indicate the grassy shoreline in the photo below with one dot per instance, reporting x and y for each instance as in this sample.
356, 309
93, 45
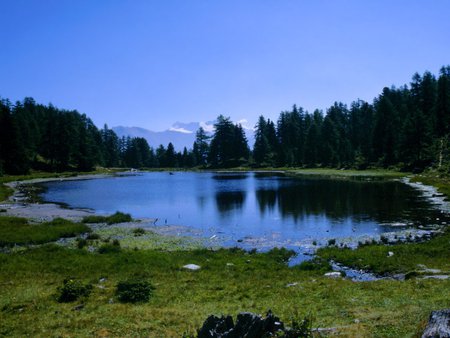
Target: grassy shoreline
229, 281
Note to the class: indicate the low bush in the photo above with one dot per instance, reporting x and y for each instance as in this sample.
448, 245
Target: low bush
81, 243
139, 232
332, 241
110, 247
93, 236
72, 290
281, 255
299, 328
316, 264
118, 217
94, 219
134, 291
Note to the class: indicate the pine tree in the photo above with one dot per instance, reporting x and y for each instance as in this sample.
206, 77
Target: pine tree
385, 132
201, 147
261, 147
170, 156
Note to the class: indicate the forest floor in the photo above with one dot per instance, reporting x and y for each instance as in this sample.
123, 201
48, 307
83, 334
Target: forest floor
229, 281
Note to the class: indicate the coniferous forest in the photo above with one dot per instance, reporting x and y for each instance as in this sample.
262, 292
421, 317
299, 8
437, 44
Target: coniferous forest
406, 128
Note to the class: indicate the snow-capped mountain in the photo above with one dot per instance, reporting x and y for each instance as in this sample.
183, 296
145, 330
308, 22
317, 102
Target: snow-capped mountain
180, 134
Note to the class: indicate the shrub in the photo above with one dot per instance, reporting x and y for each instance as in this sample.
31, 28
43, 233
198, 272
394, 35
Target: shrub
139, 232
332, 241
316, 264
94, 219
81, 243
281, 255
299, 328
110, 248
135, 291
72, 290
93, 236
118, 217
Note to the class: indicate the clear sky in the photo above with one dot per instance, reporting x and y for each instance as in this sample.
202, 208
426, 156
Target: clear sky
151, 63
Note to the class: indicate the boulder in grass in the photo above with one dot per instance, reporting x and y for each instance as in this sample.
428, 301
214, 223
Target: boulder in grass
247, 325
192, 267
438, 325
216, 326
334, 274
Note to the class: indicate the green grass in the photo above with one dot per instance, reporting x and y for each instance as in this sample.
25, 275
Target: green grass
16, 230
346, 174
118, 217
434, 253
436, 179
229, 281
5, 192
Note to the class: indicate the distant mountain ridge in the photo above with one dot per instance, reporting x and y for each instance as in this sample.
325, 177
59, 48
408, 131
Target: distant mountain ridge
180, 134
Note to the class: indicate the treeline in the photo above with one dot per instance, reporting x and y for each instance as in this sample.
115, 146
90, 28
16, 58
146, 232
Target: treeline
39, 137
407, 128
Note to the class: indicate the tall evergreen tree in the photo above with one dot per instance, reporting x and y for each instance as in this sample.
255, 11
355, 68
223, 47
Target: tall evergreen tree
171, 158
229, 145
385, 132
201, 147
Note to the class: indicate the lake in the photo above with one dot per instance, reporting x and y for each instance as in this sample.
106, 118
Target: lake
255, 209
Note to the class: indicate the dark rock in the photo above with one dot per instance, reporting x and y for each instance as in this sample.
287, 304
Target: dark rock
272, 323
215, 327
248, 325
438, 325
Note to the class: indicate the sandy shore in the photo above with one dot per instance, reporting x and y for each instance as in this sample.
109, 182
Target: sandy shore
19, 204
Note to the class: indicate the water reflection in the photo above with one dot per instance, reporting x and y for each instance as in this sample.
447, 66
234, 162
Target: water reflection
337, 200
247, 204
227, 201
230, 176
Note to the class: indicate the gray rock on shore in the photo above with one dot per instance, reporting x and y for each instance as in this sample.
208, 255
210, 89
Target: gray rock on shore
438, 325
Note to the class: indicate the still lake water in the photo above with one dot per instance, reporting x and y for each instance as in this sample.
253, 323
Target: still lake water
252, 207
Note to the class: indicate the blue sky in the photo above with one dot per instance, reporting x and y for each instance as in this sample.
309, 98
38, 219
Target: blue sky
152, 63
